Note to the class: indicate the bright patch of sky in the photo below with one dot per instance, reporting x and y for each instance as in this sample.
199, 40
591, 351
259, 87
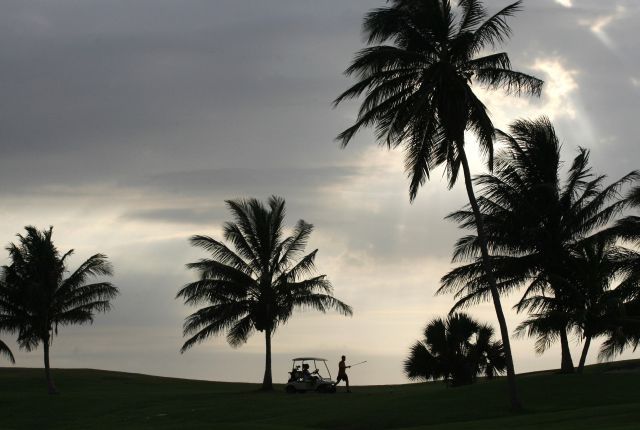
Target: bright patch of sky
565, 3
598, 25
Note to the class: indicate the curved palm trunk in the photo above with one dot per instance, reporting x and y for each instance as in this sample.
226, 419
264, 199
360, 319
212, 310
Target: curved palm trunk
585, 351
267, 384
47, 368
502, 322
566, 363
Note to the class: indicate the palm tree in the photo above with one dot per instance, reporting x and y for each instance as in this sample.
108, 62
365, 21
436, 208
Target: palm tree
533, 220
456, 350
4, 350
257, 284
597, 263
36, 298
624, 331
417, 77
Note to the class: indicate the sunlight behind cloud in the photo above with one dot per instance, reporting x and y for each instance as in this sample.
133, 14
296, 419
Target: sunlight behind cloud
599, 24
560, 83
558, 95
565, 3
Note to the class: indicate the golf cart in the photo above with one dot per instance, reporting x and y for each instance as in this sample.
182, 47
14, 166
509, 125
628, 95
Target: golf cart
303, 377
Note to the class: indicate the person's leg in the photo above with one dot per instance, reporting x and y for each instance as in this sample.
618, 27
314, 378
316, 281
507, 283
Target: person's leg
346, 379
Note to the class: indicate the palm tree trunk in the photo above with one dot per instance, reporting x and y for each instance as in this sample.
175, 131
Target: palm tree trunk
585, 350
267, 384
47, 368
502, 322
566, 363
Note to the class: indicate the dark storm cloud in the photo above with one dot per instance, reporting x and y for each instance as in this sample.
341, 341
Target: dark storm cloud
119, 80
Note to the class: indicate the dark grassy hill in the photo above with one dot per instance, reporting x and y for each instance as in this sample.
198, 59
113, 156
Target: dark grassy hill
607, 396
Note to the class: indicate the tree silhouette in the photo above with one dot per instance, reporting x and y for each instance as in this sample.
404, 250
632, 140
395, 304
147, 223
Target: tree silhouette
258, 284
533, 221
599, 308
417, 78
4, 350
456, 350
624, 331
36, 298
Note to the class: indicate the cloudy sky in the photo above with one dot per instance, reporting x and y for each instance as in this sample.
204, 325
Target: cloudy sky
127, 124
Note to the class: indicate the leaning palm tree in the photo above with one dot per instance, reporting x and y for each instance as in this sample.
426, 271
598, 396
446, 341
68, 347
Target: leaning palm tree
534, 219
36, 296
456, 350
259, 283
4, 350
418, 78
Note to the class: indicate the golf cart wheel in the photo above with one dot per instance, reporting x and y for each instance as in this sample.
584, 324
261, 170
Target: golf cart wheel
322, 389
290, 389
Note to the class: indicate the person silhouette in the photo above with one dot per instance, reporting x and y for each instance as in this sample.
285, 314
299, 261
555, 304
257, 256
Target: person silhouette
342, 373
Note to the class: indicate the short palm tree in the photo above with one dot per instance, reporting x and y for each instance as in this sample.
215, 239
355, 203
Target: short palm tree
456, 350
624, 331
36, 298
533, 221
599, 308
418, 78
4, 350
259, 283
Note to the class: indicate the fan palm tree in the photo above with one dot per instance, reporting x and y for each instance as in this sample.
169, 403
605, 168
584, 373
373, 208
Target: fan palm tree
36, 298
259, 283
418, 77
456, 350
4, 350
533, 220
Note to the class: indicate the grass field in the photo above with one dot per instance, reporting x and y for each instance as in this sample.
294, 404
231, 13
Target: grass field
606, 397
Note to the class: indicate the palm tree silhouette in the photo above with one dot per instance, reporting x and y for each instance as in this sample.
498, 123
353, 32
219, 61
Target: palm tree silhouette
533, 220
4, 350
624, 331
457, 350
36, 297
597, 262
417, 79
258, 285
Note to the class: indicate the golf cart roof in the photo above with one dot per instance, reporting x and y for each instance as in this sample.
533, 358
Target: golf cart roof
309, 359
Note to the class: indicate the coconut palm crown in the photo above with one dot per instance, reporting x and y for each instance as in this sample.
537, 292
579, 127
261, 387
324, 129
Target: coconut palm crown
258, 282
38, 295
418, 80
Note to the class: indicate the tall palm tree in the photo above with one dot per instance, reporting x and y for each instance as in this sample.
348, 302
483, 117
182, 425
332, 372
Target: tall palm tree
4, 350
533, 220
259, 283
36, 298
456, 350
418, 76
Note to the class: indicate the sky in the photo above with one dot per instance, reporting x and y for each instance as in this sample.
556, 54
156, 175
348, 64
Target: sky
126, 125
